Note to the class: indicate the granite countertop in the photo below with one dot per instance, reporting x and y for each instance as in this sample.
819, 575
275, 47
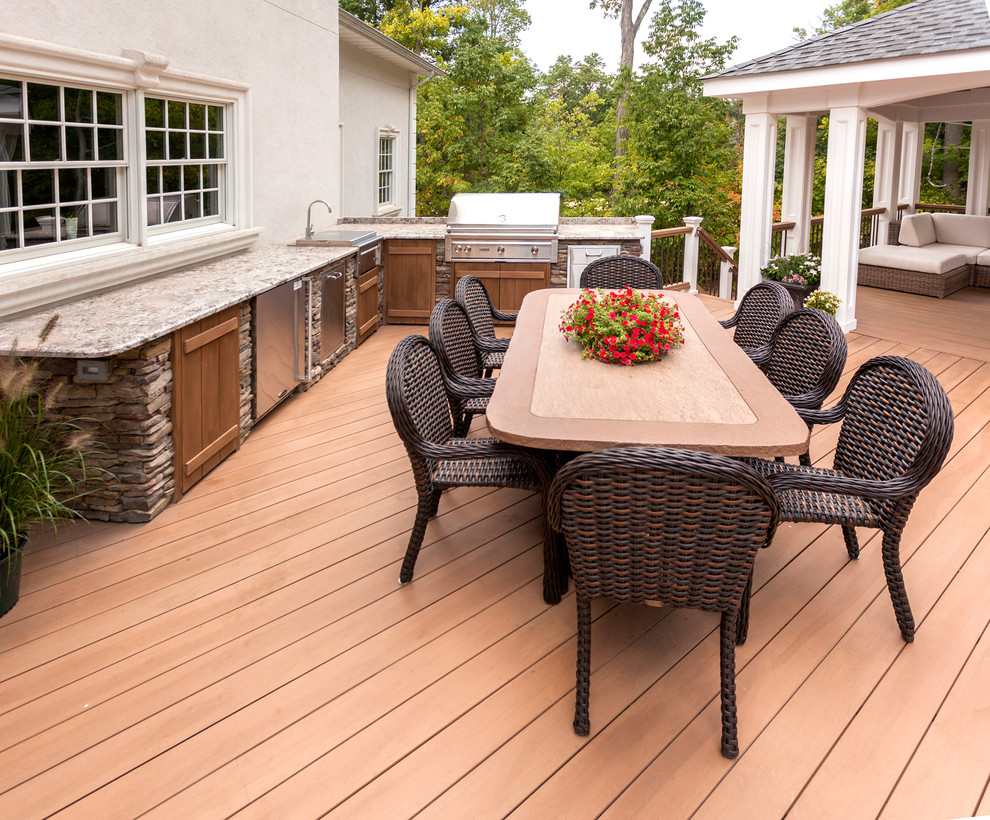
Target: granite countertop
119, 320
571, 228
110, 323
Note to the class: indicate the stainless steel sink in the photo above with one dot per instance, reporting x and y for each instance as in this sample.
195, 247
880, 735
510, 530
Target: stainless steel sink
336, 238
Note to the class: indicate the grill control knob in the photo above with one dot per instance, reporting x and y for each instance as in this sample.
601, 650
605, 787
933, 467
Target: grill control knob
500, 249
534, 250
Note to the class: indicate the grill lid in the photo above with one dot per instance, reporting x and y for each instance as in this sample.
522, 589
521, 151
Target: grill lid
500, 211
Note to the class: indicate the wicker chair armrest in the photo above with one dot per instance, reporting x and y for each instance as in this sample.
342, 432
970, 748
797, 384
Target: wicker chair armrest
487, 344
899, 487
812, 400
464, 387
503, 316
830, 415
760, 355
732, 321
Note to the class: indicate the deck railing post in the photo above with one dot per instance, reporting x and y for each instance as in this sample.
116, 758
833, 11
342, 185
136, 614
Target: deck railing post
691, 252
725, 274
645, 227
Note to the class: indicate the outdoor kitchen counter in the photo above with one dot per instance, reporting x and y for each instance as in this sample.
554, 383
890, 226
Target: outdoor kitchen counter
570, 228
123, 319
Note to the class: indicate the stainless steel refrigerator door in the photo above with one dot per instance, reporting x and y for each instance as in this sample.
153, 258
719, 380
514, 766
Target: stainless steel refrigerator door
280, 339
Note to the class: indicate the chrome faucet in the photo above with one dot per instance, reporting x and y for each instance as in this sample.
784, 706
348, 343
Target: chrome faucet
309, 215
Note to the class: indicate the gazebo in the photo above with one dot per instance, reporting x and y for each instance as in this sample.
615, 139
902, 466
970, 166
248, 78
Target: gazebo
928, 61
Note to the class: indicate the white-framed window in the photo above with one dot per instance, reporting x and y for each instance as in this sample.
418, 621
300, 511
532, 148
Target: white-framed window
62, 166
185, 170
87, 114
65, 172
387, 201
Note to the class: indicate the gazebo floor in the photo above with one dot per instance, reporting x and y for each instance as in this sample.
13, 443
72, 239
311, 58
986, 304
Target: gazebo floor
249, 651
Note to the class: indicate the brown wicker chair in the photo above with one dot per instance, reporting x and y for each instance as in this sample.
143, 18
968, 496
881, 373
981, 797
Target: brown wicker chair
760, 311
450, 333
471, 295
622, 271
804, 359
675, 526
421, 412
896, 431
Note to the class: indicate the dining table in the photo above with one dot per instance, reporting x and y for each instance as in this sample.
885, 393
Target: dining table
706, 394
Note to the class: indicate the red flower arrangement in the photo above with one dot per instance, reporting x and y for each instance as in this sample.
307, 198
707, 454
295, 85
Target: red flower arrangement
623, 327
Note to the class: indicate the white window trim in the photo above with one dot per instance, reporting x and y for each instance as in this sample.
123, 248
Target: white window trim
393, 207
33, 283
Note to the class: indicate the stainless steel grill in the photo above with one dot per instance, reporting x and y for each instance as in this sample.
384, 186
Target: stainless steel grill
503, 227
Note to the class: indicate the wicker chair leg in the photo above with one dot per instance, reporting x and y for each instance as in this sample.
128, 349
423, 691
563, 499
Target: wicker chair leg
555, 565
805, 458
727, 656
852, 542
742, 621
582, 721
423, 512
435, 503
895, 584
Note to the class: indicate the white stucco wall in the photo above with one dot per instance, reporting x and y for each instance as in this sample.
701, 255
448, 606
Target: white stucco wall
286, 53
373, 95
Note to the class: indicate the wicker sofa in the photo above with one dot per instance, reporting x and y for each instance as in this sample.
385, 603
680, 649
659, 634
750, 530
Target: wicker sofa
937, 254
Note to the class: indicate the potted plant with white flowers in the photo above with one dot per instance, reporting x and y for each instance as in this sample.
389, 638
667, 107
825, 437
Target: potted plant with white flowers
42, 465
800, 273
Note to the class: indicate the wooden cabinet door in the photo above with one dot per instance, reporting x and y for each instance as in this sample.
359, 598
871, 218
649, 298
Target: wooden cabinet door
367, 304
410, 280
516, 279
487, 272
205, 395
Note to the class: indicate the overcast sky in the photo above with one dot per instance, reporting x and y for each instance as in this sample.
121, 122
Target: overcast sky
570, 27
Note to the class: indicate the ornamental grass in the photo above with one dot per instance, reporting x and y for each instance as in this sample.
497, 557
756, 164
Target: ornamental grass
622, 327
42, 458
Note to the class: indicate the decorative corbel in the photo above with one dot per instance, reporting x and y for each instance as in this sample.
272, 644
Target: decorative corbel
148, 67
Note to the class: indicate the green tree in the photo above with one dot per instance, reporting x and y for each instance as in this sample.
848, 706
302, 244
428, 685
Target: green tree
574, 83
683, 153
425, 28
630, 21
471, 122
847, 12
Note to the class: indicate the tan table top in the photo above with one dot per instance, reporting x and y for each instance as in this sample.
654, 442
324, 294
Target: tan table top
705, 395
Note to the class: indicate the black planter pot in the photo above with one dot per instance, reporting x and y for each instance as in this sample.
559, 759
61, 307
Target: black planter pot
798, 292
10, 580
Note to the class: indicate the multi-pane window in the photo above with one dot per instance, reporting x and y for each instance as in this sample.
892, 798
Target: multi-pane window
61, 163
184, 144
386, 170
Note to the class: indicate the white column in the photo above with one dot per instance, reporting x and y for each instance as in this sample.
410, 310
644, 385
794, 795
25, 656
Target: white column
725, 275
886, 177
978, 187
912, 147
843, 204
799, 180
411, 136
645, 224
691, 253
759, 155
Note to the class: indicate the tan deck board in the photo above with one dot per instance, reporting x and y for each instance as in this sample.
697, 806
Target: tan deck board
249, 651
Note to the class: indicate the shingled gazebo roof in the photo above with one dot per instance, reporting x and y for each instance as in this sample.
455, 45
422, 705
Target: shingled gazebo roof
921, 27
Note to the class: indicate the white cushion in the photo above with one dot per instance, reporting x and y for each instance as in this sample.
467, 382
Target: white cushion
971, 252
927, 259
917, 230
984, 259
962, 229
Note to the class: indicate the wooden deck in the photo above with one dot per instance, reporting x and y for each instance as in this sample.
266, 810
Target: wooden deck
249, 652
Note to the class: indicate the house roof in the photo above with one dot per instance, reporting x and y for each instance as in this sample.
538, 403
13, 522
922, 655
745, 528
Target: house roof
359, 34
921, 27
